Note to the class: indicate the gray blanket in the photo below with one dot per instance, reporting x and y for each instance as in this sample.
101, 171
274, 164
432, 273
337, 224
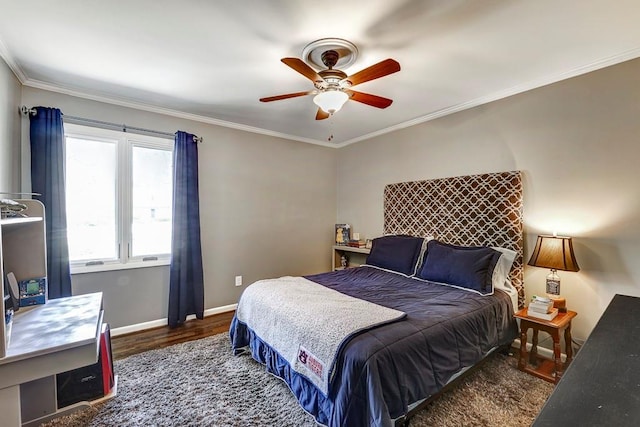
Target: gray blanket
318, 321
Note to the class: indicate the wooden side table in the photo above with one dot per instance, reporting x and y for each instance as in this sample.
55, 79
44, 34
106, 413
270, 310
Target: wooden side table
531, 362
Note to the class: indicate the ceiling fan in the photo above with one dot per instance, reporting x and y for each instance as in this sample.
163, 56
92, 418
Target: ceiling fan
333, 86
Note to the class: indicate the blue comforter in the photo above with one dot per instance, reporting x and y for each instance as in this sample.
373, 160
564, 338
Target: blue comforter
380, 372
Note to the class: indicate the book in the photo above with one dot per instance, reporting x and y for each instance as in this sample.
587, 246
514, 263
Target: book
543, 316
540, 307
538, 298
540, 304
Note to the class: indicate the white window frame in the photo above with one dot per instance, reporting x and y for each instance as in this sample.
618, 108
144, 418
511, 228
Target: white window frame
124, 147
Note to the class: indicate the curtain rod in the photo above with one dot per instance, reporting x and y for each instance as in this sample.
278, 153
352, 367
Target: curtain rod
108, 125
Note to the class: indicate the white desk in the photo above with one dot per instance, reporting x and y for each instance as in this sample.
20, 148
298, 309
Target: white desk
59, 336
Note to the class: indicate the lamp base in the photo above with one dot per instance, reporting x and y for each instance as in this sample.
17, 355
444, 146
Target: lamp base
559, 302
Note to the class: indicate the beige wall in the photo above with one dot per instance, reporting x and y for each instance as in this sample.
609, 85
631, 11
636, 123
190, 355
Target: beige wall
576, 142
267, 208
9, 130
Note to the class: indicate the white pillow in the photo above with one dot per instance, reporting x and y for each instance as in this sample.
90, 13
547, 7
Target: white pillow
503, 268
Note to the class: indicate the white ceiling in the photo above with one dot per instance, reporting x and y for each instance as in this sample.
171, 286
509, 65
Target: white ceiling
213, 60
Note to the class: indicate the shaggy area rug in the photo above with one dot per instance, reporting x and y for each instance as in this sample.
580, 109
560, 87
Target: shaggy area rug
200, 383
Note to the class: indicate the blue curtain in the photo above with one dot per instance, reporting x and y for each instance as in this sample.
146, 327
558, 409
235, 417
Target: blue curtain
47, 178
186, 282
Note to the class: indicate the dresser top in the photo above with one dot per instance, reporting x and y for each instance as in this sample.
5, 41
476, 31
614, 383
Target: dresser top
59, 324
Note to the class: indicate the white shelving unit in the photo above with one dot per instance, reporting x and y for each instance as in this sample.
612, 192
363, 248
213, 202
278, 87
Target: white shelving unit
22, 251
47, 339
355, 256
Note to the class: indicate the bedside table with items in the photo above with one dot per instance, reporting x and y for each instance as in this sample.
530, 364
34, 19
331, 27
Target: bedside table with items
348, 256
531, 362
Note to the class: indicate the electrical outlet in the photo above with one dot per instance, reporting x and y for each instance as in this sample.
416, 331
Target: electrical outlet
238, 280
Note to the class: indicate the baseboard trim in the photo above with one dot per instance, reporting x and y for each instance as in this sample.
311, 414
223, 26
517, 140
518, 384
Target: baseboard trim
164, 322
542, 351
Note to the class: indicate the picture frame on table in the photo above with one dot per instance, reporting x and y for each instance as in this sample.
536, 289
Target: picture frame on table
343, 234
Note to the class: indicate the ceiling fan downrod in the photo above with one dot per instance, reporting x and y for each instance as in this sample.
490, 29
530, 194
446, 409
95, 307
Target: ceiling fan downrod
330, 58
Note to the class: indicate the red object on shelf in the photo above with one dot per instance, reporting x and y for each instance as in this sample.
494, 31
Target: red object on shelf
106, 359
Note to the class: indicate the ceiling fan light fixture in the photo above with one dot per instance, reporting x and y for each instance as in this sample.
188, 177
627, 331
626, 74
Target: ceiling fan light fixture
330, 101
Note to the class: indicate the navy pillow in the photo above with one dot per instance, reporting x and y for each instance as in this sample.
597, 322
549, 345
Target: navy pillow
397, 253
464, 266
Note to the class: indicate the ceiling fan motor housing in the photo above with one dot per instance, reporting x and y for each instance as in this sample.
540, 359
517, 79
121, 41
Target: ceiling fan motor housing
330, 76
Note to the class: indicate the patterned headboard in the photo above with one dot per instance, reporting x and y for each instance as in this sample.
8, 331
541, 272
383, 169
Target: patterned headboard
472, 210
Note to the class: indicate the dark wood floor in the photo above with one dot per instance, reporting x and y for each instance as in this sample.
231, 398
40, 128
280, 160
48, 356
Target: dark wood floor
137, 342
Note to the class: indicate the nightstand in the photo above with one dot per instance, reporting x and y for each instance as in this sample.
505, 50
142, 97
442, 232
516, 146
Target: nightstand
531, 362
355, 256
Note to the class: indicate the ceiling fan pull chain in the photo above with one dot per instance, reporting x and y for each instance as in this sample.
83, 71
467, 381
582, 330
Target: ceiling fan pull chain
330, 128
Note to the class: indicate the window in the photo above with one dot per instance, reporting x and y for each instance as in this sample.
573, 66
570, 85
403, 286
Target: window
119, 194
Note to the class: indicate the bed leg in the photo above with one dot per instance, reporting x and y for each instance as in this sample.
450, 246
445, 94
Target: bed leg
403, 422
505, 350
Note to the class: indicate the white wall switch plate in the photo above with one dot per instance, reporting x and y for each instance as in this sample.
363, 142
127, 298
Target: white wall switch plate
238, 280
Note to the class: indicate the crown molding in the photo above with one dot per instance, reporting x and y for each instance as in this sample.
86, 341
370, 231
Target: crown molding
37, 84
11, 62
534, 84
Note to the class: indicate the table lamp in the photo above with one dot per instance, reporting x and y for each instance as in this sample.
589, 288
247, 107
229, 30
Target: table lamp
556, 253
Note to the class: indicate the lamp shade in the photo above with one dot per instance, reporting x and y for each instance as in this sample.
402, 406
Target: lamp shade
331, 100
554, 252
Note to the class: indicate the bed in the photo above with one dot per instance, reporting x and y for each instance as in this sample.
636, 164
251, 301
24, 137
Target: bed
441, 287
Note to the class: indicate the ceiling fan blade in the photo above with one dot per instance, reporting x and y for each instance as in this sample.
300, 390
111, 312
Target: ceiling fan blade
300, 66
381, 69
286, 96
321, 114
366, 98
